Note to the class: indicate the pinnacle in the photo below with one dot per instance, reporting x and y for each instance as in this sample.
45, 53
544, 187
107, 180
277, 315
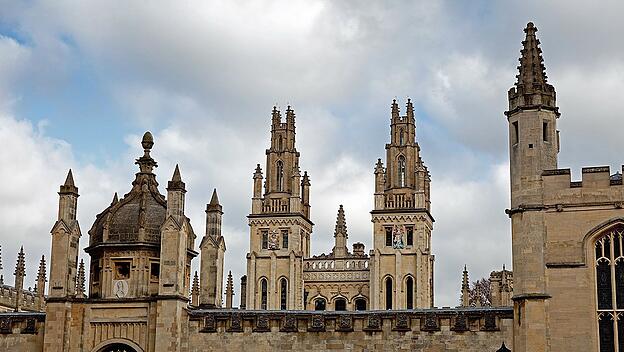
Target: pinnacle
215, 198
69, 181
341, 223
41, 274
532, 69
115, 199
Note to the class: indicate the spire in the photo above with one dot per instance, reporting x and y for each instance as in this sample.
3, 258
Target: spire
80, 280
276, 116
531, 89
532, 69
146, 163
20, 273
195, 291
176, 183
20, 267
69, 187
341, 223
214, 204
229, 291
290, 116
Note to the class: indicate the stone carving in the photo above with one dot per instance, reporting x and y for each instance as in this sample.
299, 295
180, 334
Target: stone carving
289, 323
274, 239
262, 323
31, 326
210, 324
344, 323
397, 236
461, 323
317, 323
401, 322
374, 322
5, 326
236, 323
431, 323
490, 323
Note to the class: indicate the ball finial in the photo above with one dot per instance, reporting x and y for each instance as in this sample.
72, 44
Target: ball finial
148, 141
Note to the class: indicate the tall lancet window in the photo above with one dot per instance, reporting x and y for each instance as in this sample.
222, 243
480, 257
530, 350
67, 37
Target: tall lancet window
401, 138
280, 176
283, 293
279, 144
389, 293
264, 292
610, 290
401, 171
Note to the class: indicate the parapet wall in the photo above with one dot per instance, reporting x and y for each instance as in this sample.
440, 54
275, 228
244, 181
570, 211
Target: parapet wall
596, 187
22, 331
462, 329
29, 301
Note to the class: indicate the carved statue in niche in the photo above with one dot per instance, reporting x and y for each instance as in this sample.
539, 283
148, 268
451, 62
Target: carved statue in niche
274, 239
397, 236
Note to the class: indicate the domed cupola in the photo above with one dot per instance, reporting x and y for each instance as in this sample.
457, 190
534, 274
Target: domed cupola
138, 216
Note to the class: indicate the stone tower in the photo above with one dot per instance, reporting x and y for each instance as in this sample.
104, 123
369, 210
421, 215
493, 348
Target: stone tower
533, 148
63, 269
401, 274
212, 253
279, 222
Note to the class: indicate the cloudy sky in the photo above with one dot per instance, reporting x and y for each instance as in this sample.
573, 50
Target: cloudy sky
81, 81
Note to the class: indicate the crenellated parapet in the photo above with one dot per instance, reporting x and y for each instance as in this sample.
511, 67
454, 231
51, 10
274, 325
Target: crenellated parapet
598, 187
29, 301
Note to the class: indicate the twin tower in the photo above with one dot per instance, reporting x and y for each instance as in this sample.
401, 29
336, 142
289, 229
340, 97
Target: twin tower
398, 271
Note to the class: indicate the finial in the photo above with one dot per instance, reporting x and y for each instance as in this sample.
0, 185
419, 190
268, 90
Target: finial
214, 203
214, 200
305, 181
20, 267
195, 287
176, 183
41, 274
148, 141
395, 109
80, 280
115, 199
69, 187
379, 169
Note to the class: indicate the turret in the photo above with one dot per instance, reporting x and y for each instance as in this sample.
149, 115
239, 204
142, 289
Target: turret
212, 254
20, 273
305, 194
68, 199
214, 214
256, 200
340, 235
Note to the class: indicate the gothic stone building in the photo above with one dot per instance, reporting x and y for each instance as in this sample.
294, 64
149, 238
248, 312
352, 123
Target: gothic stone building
568, 279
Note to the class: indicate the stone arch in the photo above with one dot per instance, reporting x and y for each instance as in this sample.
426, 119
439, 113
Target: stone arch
114, 345
596, 231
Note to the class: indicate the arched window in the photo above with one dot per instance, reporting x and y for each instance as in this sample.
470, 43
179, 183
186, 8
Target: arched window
319, 304
279, 143
283, 294
401, 137
610, 289
401, 171
264, 293
360, 304
280, 176
388, 293
117, 347
340, 304
409, 292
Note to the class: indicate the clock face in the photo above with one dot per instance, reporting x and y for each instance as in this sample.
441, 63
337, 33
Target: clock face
120, 288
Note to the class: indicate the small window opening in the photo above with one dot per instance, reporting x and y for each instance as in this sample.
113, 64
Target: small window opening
122, 270
388, 236
514, 136
410, 235
401, 171
265, 239
154, 271
283, 294
284, 238
401, 138
340, 304
545, 132
388, 293
409, 287
264, 294
360, 304
280, 176
319, 304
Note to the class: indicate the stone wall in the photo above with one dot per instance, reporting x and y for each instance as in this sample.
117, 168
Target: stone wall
21, 331
471, 329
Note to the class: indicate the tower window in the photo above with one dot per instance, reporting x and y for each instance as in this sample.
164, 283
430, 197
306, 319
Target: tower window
280, 176
283, 294
388, 293
410, 235
409, 294
545, 132
154, 271
401, 138
388, 236
265, 239
279, 144
284, 238
401, 171
264, 292
360, 304
340, 304
514, 134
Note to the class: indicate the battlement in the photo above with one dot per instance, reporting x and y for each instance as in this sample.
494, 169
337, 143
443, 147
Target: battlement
29, 302
597, 185
329, 264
